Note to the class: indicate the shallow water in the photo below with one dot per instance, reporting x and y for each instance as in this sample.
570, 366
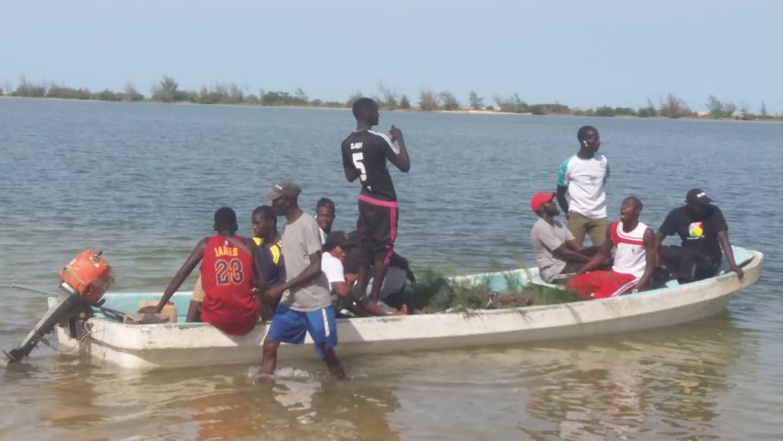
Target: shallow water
141, 181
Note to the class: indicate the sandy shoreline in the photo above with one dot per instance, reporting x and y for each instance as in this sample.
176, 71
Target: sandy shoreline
463, 111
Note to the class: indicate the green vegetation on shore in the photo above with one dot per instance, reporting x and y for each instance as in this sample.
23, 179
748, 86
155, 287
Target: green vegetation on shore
167, 90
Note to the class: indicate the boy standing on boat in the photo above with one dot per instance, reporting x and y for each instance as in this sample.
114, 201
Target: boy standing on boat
229, 272
634, 260
582, 177
364, 154
305, 304
703, 231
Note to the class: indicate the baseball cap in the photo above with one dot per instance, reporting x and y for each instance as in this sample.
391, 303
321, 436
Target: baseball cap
284, 188
339, 239
697, 196
539, 199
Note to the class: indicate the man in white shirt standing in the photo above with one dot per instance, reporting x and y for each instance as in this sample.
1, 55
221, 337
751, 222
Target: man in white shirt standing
582, 177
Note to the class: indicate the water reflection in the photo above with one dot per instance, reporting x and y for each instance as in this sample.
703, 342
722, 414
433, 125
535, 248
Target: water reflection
666, 384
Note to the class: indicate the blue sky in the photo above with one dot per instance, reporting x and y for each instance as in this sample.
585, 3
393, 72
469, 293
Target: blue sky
580, 53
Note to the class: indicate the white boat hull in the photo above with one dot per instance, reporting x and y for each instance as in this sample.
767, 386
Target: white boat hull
197, 344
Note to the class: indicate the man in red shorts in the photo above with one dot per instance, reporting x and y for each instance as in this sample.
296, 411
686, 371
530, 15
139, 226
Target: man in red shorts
634, 260
364, 154
229, 271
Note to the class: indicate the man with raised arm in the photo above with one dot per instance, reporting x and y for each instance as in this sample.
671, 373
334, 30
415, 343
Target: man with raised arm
365, 153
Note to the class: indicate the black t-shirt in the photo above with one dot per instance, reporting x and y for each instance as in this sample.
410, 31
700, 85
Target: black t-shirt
366, 152
696, 233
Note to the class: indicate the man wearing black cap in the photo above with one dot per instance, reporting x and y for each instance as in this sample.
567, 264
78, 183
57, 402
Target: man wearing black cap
703, 231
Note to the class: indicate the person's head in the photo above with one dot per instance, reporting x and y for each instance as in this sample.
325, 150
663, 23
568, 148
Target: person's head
630, 209
264, 221
543, 204
324, 214
589, 140
338, 243
284, 196
697, 202
225, 220
365, 110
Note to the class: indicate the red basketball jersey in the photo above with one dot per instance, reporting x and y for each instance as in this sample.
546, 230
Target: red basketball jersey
227, 278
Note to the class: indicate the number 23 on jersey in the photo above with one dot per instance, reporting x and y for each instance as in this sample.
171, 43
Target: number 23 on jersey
229, 272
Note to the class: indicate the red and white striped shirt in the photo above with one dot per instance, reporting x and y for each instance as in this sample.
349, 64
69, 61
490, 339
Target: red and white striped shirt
630, 257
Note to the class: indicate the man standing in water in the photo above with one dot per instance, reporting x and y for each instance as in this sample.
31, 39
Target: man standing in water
305, 306
583, 178
634, 260
364, 154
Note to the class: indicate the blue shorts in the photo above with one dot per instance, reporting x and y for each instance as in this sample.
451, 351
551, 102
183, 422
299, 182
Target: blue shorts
289, 326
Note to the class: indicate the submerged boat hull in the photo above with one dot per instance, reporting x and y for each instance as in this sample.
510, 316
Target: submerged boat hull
198, 344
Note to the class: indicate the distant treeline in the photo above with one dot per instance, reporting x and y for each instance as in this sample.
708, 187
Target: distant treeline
167, 90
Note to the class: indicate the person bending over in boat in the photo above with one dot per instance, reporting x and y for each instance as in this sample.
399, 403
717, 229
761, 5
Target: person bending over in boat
364, 154
229, 272
324, 215
703, 231
634, 259
337, 246
397, 279
558, 254
305, 304
583, 178
270, 251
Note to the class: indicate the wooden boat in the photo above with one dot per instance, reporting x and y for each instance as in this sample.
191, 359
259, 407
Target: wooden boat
172, 345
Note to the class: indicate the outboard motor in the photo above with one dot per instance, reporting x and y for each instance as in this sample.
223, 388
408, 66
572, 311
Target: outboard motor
83, 282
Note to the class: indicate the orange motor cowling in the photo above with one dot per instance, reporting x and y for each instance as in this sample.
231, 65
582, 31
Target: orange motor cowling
88, 274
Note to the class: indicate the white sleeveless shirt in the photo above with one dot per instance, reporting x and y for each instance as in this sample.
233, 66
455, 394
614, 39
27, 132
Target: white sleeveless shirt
630, 257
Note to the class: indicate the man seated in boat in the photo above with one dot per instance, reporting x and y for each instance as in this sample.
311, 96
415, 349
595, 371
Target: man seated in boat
558, 254
634, 259
398, 278
324, 216
703, 231
337, 246
270, 255
230, 270
270, 251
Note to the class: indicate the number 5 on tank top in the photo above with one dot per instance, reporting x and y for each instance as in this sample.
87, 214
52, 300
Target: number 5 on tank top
229, 272
358, 162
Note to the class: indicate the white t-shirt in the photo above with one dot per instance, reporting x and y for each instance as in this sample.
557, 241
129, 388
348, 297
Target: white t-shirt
333, 268
586, 182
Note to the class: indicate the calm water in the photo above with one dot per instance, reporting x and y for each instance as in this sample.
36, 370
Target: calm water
141, 181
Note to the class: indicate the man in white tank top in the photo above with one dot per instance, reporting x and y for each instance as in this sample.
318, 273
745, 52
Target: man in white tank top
634, 259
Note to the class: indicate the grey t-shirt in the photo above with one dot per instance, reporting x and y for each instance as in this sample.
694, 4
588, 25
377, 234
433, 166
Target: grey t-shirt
547, 238
301, 238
